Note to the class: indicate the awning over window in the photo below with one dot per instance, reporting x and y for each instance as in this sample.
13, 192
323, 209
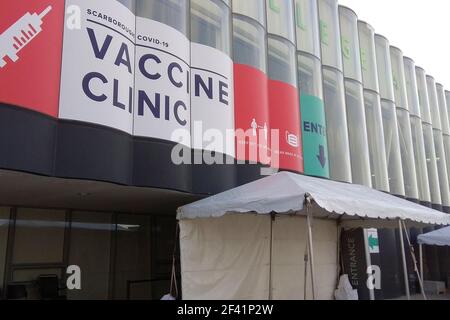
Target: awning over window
284, 193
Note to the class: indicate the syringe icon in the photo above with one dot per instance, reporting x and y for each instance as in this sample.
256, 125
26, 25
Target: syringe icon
16, 37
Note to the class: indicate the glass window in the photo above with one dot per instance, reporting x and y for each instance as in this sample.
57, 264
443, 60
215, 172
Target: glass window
447, 100
350, 44
307, 26
163, 243
392, 145
133, 262
29, 277
442, 167
249, 43
443, 109
411, 87
357, 133
423, 95
309, 75
430, 152
384, 68
4, 228
281, 61
254, 9
446, 139
280, 18
434, 108
329, 34
368, 56
173, 13
210, 24
398, 75
420, 159
337, 130
130, 4
39, 236
375, 135
407, 154
90, 248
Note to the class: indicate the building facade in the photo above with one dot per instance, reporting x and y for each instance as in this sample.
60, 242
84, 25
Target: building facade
115, 113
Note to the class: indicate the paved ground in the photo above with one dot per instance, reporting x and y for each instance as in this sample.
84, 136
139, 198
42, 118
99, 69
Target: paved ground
432, 297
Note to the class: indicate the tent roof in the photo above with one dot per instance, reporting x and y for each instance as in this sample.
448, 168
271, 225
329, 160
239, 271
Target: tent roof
439, 237
284, 193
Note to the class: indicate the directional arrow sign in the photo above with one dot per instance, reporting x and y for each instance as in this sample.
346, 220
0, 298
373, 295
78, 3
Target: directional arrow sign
373, 242
321, 156
372, 237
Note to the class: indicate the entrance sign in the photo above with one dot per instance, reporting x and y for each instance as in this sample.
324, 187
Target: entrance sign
372, 240
314, 133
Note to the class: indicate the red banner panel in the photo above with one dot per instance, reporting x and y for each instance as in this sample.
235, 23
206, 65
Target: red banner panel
285, 117
251, 110
31, 34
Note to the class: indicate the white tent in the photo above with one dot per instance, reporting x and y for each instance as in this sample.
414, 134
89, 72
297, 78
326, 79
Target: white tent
262, 236
439, 237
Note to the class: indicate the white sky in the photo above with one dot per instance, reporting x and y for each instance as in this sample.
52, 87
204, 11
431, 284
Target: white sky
421, 28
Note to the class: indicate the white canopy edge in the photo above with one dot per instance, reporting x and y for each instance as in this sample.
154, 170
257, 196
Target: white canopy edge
439, 237
284, 193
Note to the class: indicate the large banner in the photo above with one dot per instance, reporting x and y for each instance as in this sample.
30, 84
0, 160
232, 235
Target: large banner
136, 75
212, 100
98, 65
251, 114
285, 117
162, 87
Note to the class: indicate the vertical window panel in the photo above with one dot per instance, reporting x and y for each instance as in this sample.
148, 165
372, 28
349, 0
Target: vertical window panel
210, 24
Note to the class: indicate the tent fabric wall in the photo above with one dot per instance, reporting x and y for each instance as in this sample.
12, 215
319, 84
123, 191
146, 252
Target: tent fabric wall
289, 247
228, 258
225, 258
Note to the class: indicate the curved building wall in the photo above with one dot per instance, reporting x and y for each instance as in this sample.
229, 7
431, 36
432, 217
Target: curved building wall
354, 97
445, 124
334, 92
144, 94
417, 132
250, 89
390, 257
309, 73
136, 78
447, 100
372, 102
439, 143
404, 125
212, 95
390, 124
430, 150
284, 109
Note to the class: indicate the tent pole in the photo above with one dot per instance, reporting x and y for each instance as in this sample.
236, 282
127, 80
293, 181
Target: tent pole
310, 244
405, 268
272, 218
421, 259
338, 256
305, 259
413, 256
